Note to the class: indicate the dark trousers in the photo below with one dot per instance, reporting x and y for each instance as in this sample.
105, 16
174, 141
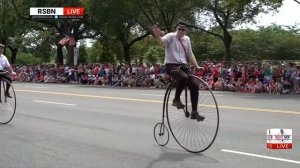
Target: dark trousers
7, 85
182, 79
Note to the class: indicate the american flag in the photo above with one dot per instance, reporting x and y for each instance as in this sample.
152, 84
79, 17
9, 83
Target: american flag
67, 41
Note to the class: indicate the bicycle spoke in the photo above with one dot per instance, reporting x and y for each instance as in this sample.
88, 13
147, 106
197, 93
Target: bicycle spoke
190, 134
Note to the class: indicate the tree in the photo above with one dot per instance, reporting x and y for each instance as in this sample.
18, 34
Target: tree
75, 28
226, 14
281, 44
10, 29
154, 55
268, 43
117, 20
100, 53
206, 46
82, 57
94, 53
39, 43
164, 13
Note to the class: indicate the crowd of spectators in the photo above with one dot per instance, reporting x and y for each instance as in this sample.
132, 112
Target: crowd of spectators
272, 78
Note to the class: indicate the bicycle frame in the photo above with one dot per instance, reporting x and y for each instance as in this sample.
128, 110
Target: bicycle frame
161, 131
4, 88
166, 97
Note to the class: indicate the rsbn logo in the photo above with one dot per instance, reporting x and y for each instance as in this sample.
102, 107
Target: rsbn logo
278, 138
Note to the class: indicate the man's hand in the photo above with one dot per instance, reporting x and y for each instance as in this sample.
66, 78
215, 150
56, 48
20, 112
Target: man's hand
200, 68
156, 31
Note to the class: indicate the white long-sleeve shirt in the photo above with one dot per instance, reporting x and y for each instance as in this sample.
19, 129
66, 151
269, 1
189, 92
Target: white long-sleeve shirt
3, 62
174, 52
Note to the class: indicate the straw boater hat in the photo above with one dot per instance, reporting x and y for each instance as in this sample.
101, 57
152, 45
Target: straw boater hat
1, 45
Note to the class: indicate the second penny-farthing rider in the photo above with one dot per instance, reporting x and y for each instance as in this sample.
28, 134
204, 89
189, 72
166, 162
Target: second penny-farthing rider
178, 51
4, 64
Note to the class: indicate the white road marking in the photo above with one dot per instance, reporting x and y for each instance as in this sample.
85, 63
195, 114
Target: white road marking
153, 95
39, 101
164, 95
261, 156
248, 96
37, 87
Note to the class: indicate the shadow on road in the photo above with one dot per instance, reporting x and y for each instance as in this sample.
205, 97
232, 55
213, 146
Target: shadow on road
176, 156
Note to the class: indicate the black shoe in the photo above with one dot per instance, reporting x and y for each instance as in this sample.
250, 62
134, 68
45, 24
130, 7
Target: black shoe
196, 115
178, 104
7, 94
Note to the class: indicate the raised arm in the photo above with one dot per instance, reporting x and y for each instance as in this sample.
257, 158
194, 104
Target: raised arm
156, 33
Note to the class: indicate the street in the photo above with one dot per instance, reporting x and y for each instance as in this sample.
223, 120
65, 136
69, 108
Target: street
80, 126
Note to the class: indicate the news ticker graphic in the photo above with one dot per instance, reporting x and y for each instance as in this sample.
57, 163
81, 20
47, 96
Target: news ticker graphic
57, 13
278, 138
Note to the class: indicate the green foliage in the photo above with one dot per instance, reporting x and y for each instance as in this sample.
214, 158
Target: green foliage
226, 14
43, 50
273, 42
139, 49
78, 28
82, 58
9, 22
24, 58
206, 47
98, 54
154, 55
117, 21
166, 13
267, 43
123, 28
94, 53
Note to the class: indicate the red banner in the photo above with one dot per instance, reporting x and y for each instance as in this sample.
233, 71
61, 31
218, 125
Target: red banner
73, 11
280, 145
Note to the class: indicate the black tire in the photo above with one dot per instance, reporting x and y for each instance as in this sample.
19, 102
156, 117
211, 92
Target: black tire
161, 134
192, 135
7, 105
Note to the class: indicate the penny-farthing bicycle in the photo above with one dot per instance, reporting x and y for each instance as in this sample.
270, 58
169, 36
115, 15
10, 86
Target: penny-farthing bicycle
7, 104
190, 134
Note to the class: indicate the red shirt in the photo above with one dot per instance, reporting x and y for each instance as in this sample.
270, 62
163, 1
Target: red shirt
215, 72
96, 70
251, 82
200, 73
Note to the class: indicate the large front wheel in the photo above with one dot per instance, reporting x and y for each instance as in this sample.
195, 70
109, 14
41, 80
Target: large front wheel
7, 104
192, 135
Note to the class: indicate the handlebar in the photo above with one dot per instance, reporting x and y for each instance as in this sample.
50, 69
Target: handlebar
189, 67
6, 72
3, 72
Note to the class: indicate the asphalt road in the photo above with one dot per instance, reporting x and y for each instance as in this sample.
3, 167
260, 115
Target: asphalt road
75, 126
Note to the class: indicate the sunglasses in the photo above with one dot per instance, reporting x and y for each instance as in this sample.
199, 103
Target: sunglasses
181, 29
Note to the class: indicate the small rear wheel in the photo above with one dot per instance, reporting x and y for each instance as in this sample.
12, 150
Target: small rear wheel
161, 134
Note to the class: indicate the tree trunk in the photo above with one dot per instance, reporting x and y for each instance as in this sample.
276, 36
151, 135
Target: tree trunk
227, 45
70, 54
14, 52
60, 56
126, 51
14, 55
